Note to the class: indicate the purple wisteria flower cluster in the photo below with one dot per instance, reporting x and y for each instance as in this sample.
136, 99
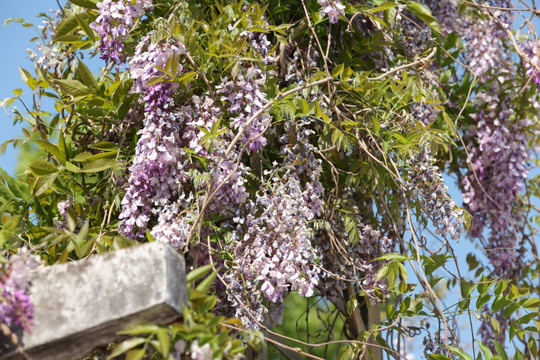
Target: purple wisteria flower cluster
497, 144
332, 9
15, 306
530, 48
245, 99
161, 185
258, 41
276, 246
116, 19
446, 12
157, 186
425, 182
274, 241
157, 171
498, 154
244, 296
160, 180
148, 79
484, 41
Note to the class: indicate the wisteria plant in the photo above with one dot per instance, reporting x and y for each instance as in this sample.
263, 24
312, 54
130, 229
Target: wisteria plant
299, 155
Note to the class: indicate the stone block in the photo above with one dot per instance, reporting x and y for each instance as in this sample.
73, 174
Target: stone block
80, 305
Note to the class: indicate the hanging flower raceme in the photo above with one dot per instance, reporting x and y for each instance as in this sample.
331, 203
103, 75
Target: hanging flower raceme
273, 241
498, 153
148, 80
426, 183
531, 50
276, 249
245, 98
157, 171
15, 306
115, 21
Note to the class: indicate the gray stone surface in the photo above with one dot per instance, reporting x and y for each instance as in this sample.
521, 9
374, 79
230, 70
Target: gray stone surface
81, 305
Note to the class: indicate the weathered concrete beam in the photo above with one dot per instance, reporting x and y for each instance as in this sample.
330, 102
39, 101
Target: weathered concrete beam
80, 305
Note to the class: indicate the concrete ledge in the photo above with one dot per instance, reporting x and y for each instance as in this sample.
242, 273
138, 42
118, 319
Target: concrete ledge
81, 305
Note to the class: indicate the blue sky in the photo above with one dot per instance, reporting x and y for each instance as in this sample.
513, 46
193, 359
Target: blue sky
15, 40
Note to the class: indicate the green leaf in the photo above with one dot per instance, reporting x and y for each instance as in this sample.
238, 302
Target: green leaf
382, 272
500, 350
198, 273
486, 350
530, 303
482, 300
5, 192
43, 184
154, 80
403, 273
18, 188
450, 41
433, 262
472, 261
195, 295
81, 157
84, 26
500, 287
467, 288
66, 27
438, 357
186, 77
105, 155
384, 6
88, 4
104, 145
393, 256
400, 138
5, 103
510, 309
140, 328
126, 345
467, 220
516, 292
205, 285
100, 165
376, 125
500, 303
462, 354
424, 14
338, 70
42, 168
163, 338
518, 355
484, 285
73, 87
305, 106
495, 325
135, 354
68, 39
86, 76
27, 78
528, 317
